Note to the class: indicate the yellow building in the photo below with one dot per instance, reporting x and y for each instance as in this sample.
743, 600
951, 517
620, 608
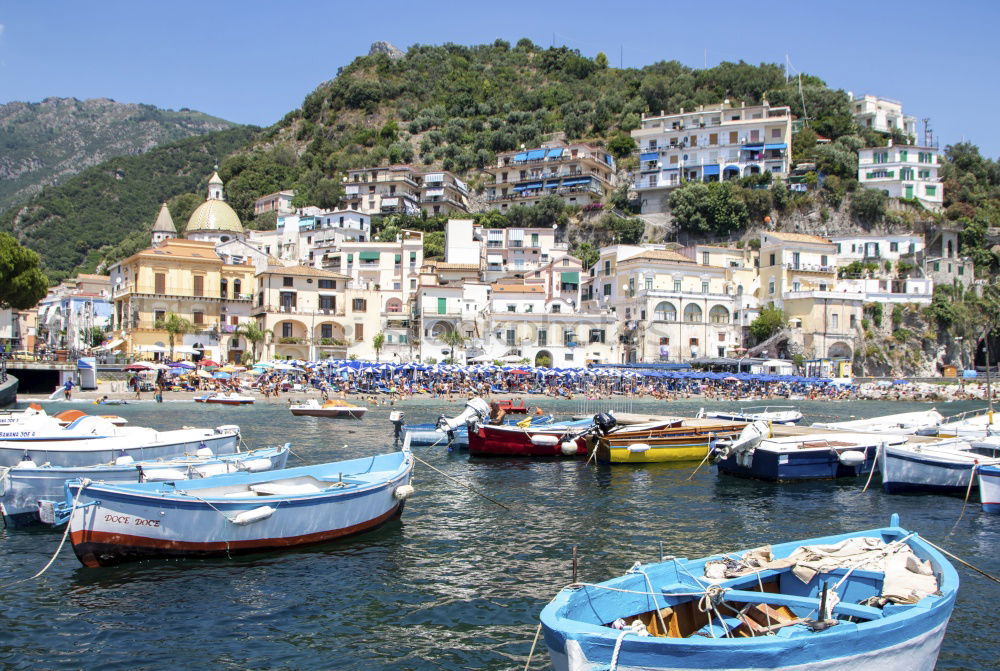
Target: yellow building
186, 278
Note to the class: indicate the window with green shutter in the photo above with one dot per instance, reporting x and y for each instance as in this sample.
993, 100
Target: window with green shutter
442, 305
904, 155
931, 190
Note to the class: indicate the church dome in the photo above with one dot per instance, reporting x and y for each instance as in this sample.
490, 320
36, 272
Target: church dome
214, 215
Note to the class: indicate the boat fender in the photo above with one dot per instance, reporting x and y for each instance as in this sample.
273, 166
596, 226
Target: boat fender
226, 428
255, 465
638, 447
26, 463
204, 451
568, 447
403, 492
851, 457
544, 440
251, 516
124, 460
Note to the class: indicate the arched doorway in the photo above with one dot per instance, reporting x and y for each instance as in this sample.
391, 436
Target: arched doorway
840, 350
730, 172
543, 358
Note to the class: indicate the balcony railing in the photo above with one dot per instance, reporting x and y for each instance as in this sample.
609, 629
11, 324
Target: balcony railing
291, 310
535, 193
811, 267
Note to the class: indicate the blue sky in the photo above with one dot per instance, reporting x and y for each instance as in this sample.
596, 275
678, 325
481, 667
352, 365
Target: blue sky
251, 62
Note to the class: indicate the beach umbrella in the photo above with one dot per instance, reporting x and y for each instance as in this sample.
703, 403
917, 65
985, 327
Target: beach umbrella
187, 365
207, 363
204, 374
218, 375
136, 367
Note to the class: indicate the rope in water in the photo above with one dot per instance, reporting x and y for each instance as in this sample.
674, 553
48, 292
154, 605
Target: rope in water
961, 561
871, 473
459, 482
968, 491
531, 654
76, 499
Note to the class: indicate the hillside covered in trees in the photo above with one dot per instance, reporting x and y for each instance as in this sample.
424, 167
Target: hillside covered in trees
455, 107
48, 141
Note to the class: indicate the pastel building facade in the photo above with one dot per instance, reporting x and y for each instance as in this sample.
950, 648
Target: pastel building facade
903, 171
709, 144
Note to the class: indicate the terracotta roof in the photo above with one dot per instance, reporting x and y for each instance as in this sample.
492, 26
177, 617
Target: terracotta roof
303, 271
517, 288
798, 237
658, 255
203, 250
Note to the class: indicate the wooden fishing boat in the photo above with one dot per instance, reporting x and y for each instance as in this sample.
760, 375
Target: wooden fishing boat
335, 408
30, 494
874, 599
805, 457
536, 441
687, 440
428, 434
107, 443
230, 398
233, 514
924, 422
775, 414
945, 466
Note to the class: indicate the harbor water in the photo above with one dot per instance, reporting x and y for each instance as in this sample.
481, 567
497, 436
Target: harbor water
459, 581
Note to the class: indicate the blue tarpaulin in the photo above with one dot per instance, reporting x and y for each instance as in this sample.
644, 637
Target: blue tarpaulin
711, 169
520, 157
555, 153
536, 154
780, 145
649, 156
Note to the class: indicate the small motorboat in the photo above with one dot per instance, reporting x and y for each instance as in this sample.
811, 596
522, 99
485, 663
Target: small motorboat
775, 414
67, 417
332, 408
810, 457
29, 494
972, 424
989, 488
904, 423
946, 466
874, 599
230, 398
238, 513
513, 407
486, 440
685, 440
454, 431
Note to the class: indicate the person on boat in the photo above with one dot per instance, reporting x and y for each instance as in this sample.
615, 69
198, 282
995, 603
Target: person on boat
497, 413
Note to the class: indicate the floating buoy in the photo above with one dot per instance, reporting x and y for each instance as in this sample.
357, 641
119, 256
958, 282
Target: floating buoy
638, 447
256, 465
204, 452
568, 447
251, 516
851, 458
165, 474
403, 492
544, 440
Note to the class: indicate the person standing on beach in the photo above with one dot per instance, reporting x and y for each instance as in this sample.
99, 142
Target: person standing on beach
68, 390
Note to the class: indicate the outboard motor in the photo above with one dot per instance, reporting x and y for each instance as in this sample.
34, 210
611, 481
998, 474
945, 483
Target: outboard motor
605, 422
476, 409
396, 417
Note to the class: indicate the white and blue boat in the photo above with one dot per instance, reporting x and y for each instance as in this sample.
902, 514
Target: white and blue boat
818, 456
26, 489
234, 514
989, 488
875, 599
942, 467
775, 414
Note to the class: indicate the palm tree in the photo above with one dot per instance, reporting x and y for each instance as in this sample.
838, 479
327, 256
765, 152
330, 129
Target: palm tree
174, 325
453, 339
254, 334
377, 341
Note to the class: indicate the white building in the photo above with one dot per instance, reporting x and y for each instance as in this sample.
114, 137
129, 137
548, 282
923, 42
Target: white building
307, 234
876, 248
910, 290
883, 115
903, 171
280, 202
403, 189
709, 144
445, 309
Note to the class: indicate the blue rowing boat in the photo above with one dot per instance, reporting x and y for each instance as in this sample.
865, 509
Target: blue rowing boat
874, 599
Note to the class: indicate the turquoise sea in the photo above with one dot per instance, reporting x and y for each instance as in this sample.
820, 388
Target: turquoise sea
458, 582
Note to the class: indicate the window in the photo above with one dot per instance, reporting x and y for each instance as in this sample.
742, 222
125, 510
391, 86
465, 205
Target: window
854, 321
328, 303
288, 300
160, 283
326, 331
556, 308
775, 133
771, 259
159, 316
359, 332
607, 289
286, 329
755, 136
327, 284
442, 306
543, 338
359, 305
770, 287
704, 258
607, 267
510, 306
796, 286
692, 313
569, 337
677, 285
937, 266
713, 138
288, 281
237, 287
734, 136
199, 285
930, 190
568, 356
704, 287
596, 335
835, 321
649, 284
961, 270
223, 288
665, 312
509, 333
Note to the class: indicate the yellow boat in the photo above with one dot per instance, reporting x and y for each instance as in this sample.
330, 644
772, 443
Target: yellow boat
674, 444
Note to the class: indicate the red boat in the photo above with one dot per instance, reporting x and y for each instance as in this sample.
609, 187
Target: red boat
507, 440
513, 407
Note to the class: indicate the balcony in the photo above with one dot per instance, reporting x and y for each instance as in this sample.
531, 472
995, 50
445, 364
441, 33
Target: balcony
810, 268
290, 310
538, 193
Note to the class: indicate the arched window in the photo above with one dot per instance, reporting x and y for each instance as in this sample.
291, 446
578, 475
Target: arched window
665, 312
224, 288
236, 288
718, 315
692, 313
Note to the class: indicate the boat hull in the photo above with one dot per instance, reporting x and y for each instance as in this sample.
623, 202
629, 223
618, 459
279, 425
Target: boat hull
8, 391
335, 413
639, 451
989, 488
904, 471
809, 464
489, 441
163, 445
22, 488
429, 437
120, 525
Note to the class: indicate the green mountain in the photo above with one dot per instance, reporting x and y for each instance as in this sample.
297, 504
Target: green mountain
43, 143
